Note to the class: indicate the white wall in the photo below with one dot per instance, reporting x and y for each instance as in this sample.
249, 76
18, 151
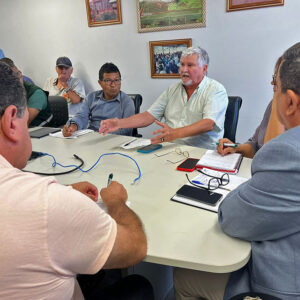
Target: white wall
243, 47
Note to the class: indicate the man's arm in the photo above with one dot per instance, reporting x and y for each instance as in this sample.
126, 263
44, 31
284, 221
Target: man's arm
36, 102
136, 121
170, 134
130, 245
33, 112
245, 149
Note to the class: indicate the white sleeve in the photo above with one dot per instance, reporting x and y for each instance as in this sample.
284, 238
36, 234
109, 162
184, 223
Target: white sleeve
80, 234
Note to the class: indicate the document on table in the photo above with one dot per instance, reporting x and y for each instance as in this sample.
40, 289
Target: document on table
75, 135
227, 163
137, 142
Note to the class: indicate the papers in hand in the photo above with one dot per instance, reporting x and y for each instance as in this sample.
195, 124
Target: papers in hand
134, 143
228, 163
75, 135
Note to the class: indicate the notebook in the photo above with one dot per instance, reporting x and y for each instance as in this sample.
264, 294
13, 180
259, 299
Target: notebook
41, 132
213, 160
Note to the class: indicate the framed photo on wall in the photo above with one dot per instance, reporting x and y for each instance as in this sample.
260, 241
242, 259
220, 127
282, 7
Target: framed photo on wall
233, 5
103, 12
165, 57
161, 15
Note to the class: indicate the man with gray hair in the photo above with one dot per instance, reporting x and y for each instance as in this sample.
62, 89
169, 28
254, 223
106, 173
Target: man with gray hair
194, 109
264, 210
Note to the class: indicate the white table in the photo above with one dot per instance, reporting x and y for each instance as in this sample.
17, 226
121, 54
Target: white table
178, 235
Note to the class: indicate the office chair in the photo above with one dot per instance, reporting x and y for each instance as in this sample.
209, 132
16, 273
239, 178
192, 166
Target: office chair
253, 294
137, 100
59, 108
232, 117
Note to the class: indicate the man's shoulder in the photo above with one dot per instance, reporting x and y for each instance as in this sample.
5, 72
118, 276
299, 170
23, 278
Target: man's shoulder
211, 83
75, 80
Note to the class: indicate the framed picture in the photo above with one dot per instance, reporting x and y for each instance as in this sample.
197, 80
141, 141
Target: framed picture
233, 5
103, 12
165, 57
161, 15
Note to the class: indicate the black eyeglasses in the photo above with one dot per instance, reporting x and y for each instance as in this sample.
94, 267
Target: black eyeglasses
274, 79
213, 183
110, 81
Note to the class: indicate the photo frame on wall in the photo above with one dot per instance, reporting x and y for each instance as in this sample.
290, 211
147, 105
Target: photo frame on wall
233, 5
103, 12
170, 14
165, 57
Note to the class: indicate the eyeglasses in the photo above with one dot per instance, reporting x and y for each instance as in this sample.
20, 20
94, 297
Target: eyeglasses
110, 81
211, 182
274, 82
177, 151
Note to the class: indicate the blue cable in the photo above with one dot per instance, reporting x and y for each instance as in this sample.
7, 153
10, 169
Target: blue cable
94, 165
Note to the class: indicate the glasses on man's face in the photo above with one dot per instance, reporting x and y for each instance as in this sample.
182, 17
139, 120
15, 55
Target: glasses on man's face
212, 182
177, 151
110, 81
274, 82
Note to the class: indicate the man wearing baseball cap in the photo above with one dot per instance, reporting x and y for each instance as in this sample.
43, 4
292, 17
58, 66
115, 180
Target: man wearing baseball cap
65, 85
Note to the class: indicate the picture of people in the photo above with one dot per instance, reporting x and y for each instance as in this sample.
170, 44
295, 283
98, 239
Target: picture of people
165, 57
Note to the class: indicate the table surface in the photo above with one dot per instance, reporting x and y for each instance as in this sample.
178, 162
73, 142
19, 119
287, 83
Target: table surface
178, 235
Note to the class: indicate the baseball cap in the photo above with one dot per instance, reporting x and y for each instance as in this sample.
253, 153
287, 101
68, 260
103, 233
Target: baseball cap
63, 62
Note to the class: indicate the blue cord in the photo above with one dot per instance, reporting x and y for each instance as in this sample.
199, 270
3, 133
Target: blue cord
94, 165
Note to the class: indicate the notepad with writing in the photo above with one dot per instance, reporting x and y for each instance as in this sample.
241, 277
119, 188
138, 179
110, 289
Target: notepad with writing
213, 160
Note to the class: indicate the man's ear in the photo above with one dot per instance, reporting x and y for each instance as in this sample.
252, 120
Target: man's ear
100, 83
71, 70
293, 104
9, 123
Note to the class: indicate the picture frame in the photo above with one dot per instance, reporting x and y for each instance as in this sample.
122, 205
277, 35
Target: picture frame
103, 12
233, 5
165, 57
162, 15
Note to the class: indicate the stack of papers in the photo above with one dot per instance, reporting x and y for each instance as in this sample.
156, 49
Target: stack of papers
213, 160
75, 135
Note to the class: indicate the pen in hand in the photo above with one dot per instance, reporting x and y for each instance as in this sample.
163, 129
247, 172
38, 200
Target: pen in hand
228, 145
110, 177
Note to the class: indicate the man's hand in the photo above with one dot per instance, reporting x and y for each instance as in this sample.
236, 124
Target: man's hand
167, 134
115, 193
87, 189
69, 130
223, 150
109, 125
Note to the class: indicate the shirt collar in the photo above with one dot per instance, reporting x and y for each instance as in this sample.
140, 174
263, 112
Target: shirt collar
101, 97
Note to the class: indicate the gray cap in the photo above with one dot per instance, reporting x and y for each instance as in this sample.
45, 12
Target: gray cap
63, 62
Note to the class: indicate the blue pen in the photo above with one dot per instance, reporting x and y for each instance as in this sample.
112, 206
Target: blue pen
227, 145
197, 182
110, 177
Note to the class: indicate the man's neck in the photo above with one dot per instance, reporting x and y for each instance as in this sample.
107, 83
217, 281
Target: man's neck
190, 89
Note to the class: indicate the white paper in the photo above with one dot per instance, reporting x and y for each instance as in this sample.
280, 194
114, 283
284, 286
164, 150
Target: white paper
135, 143
75, 135
215, 160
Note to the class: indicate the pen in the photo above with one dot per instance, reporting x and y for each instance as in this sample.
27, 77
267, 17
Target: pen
110, 177
227, 145
197, 182
130, 142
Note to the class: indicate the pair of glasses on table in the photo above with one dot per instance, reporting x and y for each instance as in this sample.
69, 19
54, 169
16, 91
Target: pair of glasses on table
177, 151
212, 182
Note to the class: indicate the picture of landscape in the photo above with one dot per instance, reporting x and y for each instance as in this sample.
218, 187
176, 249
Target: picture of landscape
154, 15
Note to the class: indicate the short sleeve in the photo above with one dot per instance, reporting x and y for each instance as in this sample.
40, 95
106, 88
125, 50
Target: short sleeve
37, 100
80, 234
157, 109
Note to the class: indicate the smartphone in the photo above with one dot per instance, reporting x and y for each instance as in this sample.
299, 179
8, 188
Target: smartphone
199, 195
189, 165
149, 148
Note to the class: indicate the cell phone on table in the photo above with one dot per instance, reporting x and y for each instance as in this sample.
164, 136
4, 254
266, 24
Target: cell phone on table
149, 148
199, 195
189, 165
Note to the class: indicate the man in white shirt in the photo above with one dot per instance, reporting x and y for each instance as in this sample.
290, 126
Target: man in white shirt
65, 85
194, 109
50, 232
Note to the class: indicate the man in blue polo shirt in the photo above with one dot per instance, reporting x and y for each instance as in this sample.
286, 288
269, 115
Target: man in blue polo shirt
110, 102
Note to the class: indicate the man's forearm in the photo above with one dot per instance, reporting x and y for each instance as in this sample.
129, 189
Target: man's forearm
73, 96
136, 121
196, 128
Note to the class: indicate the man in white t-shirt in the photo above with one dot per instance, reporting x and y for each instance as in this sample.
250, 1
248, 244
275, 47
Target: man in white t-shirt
50, 232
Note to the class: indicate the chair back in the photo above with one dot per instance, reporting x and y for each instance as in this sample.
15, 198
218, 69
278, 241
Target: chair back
59, 108
137, 100
232, 117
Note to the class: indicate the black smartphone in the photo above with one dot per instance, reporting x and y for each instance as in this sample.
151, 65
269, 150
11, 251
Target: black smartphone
189, 165
149, 148
199, 195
